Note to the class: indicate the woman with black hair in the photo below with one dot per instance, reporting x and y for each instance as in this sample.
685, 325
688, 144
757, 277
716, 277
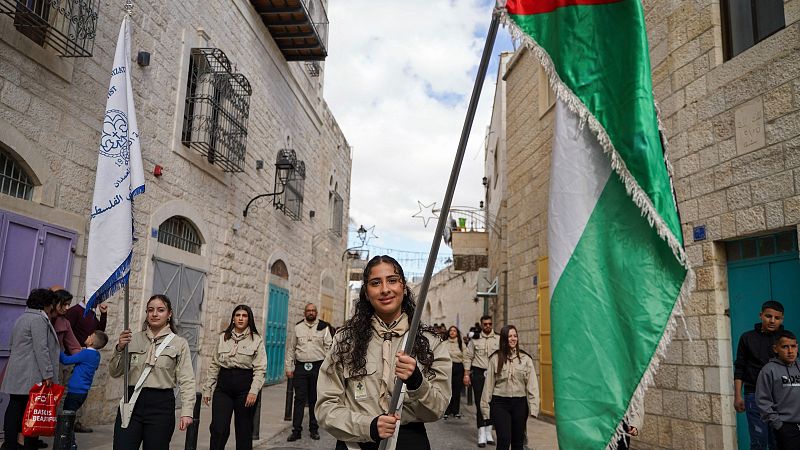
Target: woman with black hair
33, 359
511, 392
358, 375
235, 376
456, 347
160, 361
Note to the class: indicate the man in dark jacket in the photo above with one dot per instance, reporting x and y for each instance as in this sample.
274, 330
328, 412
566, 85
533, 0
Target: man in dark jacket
754, 351
778, 392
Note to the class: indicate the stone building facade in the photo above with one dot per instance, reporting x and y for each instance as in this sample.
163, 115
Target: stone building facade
212, 258
451, 299
731, 111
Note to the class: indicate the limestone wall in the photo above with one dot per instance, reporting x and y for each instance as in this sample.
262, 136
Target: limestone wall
51, 118
734, 133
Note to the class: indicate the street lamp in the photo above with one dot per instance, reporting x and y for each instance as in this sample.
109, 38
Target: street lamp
285, 166
362, 234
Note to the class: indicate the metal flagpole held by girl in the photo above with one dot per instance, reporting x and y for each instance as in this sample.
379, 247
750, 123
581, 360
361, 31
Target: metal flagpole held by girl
120, 177
445, 210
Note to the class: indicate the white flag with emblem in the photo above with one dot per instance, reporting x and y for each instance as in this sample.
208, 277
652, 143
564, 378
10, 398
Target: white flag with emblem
119, 178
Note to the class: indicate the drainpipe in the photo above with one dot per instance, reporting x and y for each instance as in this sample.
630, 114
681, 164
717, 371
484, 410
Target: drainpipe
505, 297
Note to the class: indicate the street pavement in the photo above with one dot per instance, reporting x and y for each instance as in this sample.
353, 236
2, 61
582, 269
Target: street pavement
444, 434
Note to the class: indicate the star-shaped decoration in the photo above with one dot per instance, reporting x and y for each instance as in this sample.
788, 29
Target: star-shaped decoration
426, 212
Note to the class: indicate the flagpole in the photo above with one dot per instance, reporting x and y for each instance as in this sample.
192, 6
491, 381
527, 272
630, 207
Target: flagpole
125, 320
448, 199
128, 8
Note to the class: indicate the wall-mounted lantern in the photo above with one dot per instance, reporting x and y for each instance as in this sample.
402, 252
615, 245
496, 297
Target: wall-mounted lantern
285, 165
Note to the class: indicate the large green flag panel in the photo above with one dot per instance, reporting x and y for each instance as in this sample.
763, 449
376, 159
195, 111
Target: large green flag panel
617, 266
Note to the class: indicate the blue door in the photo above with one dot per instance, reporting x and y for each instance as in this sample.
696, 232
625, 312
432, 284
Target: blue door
761, 269
275, 332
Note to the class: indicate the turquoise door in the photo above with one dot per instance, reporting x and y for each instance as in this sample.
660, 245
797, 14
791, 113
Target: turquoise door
275, 332
760, 269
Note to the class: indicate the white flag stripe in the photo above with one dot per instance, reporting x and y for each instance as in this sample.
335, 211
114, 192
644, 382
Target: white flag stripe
578, 175
119, 178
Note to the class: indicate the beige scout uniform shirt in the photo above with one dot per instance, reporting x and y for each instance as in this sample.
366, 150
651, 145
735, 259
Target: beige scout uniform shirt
478, 351
173, 367
250, 354
346, 405
517, 379
456, 353
308, 344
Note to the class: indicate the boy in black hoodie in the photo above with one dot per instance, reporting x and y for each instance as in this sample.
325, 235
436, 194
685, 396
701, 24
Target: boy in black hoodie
754, 351
778, 392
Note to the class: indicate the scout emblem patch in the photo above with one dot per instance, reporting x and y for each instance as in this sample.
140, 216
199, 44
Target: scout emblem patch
361, 391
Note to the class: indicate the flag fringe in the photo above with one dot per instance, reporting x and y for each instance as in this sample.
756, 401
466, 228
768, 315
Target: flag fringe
114, 283
639, 197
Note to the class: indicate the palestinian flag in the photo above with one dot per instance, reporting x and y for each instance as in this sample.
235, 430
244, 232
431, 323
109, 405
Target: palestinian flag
618, 271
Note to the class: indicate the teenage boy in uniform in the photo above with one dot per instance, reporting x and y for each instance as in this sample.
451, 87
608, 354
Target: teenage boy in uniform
476, 360
778, 392
754, 351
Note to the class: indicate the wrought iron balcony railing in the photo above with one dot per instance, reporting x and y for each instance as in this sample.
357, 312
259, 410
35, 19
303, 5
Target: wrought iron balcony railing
299, 27
217, 109
66, 26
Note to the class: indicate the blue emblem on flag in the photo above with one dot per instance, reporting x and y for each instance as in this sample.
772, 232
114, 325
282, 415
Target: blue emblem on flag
115, 142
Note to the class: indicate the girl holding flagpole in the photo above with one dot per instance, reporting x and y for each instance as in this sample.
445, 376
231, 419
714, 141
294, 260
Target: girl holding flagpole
160, 361
511, 392
358, 374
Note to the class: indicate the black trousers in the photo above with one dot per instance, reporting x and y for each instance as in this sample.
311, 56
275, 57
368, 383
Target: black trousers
12, 422
509, 415
788, 436
478, 378
73, 402
411, 436
456, 385
230, 395
305, 394
152, 422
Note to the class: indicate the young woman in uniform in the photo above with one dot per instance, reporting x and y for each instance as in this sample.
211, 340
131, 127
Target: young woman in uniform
358, 375
456, 347
235, 376
511, 392
152, 421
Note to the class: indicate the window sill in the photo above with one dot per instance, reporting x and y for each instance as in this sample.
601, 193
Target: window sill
62, 67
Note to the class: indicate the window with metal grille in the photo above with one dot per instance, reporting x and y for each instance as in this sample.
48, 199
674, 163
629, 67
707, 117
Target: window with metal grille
67, 26
178, 232
747, 22
217, 109
337, 213
13, 179
292, 204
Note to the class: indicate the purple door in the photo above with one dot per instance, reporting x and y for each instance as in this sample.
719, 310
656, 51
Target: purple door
32, 254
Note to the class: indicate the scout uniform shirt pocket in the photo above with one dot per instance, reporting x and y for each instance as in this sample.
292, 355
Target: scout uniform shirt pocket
363, 387
168, 359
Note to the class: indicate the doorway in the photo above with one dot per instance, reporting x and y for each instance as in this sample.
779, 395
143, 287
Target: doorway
760, 269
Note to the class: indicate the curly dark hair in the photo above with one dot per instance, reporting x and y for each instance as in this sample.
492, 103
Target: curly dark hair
356, 333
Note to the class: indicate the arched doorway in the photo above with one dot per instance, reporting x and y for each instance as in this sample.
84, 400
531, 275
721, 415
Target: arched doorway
276, 321
175, 275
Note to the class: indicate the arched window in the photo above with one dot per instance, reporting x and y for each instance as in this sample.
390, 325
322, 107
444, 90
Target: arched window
13, 179
179, 232
279, 269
